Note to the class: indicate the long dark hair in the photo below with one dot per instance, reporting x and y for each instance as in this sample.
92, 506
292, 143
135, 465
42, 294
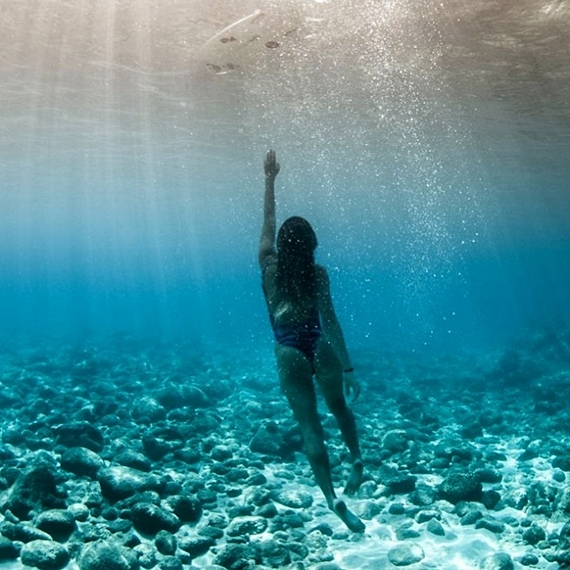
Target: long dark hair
296, 244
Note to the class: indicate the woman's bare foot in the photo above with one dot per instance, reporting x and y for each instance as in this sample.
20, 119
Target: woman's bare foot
355, 478
347, 517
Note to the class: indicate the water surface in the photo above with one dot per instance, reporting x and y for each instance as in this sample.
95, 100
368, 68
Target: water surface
428, 143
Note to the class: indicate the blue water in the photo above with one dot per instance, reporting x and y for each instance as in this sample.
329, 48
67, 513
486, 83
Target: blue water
429, 148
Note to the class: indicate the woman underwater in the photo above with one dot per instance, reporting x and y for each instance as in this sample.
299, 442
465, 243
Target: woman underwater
309, 342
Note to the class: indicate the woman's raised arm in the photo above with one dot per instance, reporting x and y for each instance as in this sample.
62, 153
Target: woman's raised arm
267, 241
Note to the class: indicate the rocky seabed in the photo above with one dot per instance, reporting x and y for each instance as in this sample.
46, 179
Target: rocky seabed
126, 456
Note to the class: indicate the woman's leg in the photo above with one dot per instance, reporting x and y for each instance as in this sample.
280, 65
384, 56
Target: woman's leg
329, 375
295, 375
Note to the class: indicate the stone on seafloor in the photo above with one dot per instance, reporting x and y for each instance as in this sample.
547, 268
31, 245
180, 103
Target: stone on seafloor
44, 554
405, 554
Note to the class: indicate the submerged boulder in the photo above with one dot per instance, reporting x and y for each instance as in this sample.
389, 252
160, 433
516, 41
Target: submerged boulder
58, 523
238, 556
173, 396
45, 555
186, 507
497, 561
104, 555
8, 550
461, 486
150, 519
158, 442
121, 482
148, 410
36, 488
81, 461
80, 434
405, 554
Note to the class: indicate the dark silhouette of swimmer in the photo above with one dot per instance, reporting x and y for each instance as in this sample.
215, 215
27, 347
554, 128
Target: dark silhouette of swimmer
309, 342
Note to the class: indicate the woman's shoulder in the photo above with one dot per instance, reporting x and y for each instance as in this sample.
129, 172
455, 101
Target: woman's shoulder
321, 278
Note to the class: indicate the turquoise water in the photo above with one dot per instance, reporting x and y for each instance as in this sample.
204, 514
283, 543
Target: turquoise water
427, 143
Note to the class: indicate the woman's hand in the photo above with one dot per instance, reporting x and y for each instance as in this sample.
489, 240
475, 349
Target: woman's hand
351, 387
271, 165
